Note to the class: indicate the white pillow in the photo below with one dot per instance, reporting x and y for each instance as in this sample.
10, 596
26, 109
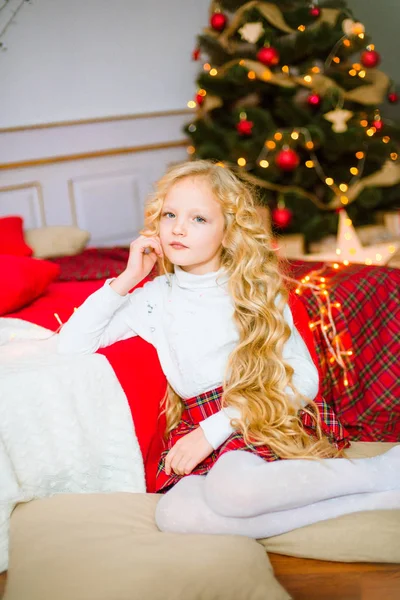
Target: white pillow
50, 242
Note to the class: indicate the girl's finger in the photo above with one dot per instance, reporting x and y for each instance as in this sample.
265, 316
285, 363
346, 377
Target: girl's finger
168, 460
149, 244
178, 465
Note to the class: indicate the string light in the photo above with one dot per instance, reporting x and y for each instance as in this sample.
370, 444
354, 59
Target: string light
316, 283
213, 72
241, 162
190, 149
251, 75
191, 104
386, 139
285, 69
264, 164
301, 28
313, 162
308, 78
207, 67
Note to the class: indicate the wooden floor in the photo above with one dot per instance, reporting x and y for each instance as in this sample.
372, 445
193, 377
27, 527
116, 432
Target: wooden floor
3, 577
308, 579
319, 580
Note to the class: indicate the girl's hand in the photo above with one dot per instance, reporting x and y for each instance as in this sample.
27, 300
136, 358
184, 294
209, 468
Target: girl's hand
187, 453
143, 253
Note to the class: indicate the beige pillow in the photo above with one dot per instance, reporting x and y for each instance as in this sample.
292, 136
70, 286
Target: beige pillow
107, 547
360, 537
50, 242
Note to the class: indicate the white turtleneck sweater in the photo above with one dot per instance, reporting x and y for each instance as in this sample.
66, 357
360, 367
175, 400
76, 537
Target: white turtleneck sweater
188, 319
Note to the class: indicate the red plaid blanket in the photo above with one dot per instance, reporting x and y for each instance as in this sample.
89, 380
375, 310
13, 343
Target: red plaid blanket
369, 321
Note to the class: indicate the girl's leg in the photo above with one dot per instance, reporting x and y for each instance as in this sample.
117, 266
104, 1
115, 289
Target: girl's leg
242, 484
184, 510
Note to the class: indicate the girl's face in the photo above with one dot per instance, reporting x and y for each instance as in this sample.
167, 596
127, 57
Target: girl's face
192, 226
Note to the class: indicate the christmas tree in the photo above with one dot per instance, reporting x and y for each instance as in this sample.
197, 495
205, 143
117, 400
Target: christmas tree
290, 93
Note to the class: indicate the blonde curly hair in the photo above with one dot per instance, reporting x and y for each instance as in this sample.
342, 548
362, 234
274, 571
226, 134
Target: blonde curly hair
256, 375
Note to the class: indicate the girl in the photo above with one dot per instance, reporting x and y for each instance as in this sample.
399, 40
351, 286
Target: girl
239, 375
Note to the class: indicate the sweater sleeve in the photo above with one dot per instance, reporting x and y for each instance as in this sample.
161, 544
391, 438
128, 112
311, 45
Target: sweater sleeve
106, 317
217, 428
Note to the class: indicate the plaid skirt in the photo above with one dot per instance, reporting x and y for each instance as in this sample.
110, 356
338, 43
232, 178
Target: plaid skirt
200, 407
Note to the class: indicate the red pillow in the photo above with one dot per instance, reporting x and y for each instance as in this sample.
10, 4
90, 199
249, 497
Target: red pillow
12, 237
23, 279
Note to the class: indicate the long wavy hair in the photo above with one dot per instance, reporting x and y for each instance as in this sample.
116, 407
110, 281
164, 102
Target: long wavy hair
256, 375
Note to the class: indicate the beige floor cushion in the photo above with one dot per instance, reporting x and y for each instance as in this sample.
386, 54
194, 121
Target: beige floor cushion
361, 537
107, 547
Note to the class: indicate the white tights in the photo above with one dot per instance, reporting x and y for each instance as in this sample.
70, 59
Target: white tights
245, 495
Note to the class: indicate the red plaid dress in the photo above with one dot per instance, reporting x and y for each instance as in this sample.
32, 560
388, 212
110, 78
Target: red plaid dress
200, 407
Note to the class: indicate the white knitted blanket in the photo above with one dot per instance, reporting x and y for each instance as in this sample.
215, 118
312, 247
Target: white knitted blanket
65, 424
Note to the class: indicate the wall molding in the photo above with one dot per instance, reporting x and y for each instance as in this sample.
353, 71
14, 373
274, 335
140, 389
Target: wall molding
107, 119
50, 160
112, 136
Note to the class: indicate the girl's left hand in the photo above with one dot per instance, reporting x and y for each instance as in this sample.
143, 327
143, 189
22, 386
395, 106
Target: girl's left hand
187, 453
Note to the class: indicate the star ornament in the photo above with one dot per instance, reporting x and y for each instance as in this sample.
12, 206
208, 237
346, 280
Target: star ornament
251, 32
350, 250
339, 118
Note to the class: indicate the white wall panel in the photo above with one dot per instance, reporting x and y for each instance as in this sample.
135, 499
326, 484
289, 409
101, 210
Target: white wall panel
24, 200
110, 206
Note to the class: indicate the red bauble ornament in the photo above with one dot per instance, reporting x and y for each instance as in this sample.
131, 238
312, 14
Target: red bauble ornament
314, 100
268, 56
393, 97
218, 21
245, 127
199, 99
282, 217
196, 54
287, 160
378, 124
315, 12
370, 58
